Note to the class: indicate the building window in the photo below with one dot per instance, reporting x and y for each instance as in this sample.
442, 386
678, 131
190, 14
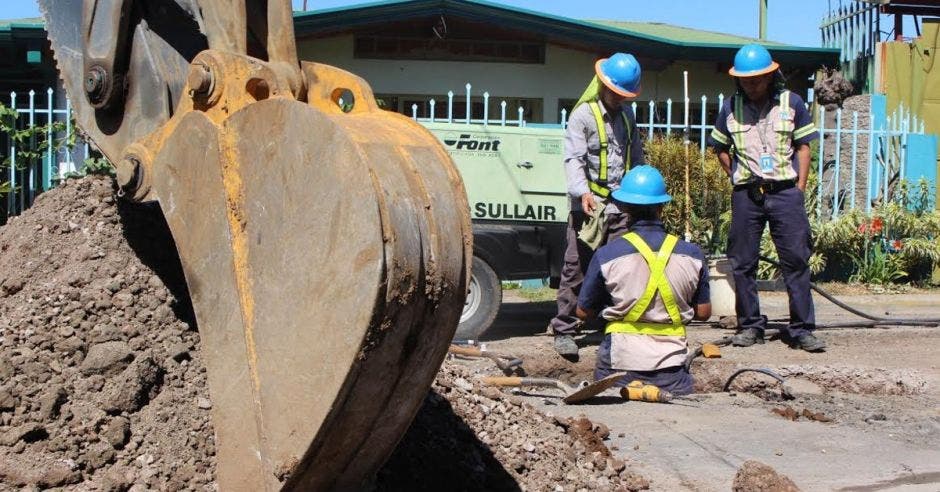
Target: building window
410, 48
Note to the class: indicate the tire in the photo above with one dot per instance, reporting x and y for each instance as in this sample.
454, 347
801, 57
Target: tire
484, 296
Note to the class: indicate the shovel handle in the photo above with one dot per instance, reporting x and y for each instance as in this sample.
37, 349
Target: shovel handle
465, 351
502, 381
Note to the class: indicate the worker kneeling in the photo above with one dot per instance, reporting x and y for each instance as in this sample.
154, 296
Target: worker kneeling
647, 285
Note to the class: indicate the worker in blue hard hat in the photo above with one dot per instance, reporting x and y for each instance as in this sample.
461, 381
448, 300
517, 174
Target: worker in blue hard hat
762, 138
601, 143
646, 285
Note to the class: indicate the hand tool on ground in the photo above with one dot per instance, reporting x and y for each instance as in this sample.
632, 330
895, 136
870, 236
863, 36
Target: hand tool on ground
505, 362
582, 392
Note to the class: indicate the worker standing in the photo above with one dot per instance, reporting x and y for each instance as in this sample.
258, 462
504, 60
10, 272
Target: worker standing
601, 142
647, 284
762, 137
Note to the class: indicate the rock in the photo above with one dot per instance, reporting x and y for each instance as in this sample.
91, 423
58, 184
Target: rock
203, 403
98, 455
50, 402
30, 432
133, 388
7, 400
11, 286
179, 351
754, 476
117, 432
107, 358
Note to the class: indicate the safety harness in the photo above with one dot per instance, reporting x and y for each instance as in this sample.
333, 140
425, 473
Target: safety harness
657, 283
600, 186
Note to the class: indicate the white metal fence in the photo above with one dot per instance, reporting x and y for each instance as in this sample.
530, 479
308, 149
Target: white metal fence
27, 179
880, 161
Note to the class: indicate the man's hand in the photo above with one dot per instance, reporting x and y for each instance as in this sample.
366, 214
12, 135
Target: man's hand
587, 203
724, 158
803, 156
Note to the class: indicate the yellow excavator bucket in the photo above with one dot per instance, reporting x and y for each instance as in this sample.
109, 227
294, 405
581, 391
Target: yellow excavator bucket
325, 242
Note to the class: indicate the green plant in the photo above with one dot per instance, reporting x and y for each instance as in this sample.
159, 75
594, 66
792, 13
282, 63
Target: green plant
95, 166
30, 142
908, 239
709, 190
876, 267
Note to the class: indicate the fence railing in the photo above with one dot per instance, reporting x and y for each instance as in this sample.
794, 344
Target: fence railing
27, 179
872, 156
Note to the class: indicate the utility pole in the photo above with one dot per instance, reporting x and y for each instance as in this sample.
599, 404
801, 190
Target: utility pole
305, 5
762, 33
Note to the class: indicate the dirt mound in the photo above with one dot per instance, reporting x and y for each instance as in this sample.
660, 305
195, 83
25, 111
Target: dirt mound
468, 437
754, 476
100, 382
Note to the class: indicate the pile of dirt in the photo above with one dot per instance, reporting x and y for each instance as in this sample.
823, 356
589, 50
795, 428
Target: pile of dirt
468, 437
100, 382
754, 476
102, 386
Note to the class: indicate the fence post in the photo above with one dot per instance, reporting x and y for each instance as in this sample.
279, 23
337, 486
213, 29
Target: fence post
450, 106
502, 113
822, 160
887, 160
837, 176
50, 116
668, 116
702, 136
564, 118
11, 197
468, 103
432, 103
521, 115
414, 111
854, 155
652, 110
29, 190
68, 135
486, 108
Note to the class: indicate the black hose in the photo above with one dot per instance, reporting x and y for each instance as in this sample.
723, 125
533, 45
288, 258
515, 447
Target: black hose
894, 321
761, 370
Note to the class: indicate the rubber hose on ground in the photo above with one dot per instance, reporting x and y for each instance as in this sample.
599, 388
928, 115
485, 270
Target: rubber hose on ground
896, 321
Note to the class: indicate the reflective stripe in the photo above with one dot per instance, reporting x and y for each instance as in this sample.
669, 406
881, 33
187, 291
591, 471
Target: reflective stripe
600, 187
720, 137
784, 141
657, 283
804, 131
645, 328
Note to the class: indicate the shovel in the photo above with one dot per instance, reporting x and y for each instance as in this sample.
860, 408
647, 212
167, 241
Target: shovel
504, 362
582, 392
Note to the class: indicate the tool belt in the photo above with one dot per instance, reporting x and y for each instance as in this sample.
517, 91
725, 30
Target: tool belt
757, 189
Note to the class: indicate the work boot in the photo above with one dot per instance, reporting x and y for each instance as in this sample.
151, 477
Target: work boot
566, 347
748, 337
809, 343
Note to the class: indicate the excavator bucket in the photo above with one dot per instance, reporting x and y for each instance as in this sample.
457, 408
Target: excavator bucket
325, 242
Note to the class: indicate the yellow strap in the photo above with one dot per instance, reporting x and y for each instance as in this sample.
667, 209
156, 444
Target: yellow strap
601, 188
646, 328
657, 283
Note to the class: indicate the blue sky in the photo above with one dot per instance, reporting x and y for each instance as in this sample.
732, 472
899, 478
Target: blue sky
790, 21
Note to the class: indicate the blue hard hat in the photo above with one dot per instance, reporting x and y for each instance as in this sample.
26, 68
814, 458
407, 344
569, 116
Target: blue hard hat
620, 73
643, 185
752, 60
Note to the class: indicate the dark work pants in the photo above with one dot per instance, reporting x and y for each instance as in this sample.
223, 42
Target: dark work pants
577, 258
789, 229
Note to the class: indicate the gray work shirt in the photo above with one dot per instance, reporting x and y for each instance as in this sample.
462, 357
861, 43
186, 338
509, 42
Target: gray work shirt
583, 147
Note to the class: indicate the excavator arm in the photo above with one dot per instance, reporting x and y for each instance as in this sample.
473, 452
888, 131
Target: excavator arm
325, 243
